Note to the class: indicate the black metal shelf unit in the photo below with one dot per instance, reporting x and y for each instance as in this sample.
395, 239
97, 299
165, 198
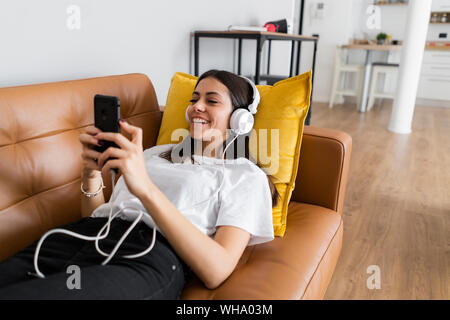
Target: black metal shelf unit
261, 38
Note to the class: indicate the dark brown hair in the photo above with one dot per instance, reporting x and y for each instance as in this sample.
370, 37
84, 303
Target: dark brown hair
241, 94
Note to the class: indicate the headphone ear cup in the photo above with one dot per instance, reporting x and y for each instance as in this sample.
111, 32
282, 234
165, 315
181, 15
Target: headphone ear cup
253, 107
241, 121
186, 114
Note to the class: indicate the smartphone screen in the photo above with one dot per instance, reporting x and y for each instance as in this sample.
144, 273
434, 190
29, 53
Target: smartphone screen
106, 117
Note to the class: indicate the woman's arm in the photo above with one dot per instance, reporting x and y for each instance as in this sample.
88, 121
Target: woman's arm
89, 204
91, 177
212, 260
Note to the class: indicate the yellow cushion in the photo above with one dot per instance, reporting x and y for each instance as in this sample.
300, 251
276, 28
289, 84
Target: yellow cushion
180, 94
281, 113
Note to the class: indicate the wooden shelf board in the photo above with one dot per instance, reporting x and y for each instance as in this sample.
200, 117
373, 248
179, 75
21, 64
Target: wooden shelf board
391, 4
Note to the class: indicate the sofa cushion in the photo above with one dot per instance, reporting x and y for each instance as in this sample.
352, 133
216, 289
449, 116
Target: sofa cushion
276, 139
285, 268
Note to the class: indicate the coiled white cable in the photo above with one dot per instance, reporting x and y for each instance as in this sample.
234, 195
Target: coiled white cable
101, 236
96, 238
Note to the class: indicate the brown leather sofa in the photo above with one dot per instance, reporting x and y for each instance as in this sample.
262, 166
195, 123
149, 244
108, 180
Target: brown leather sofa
40, 171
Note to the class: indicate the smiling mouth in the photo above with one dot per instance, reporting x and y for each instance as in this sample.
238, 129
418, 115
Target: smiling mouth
200, 121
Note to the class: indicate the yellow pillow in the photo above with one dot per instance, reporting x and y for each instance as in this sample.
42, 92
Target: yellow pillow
281, 113
178, 99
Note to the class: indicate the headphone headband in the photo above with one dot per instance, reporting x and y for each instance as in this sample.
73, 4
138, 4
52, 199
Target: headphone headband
253, 107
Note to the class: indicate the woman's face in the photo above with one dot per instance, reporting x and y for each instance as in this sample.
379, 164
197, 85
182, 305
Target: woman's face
210, 111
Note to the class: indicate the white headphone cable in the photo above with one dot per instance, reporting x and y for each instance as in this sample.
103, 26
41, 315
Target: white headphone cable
223, 177
100, 236
130, 228
141, 213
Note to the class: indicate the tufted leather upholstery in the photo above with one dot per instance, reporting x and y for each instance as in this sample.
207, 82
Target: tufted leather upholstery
40, 167
40, 171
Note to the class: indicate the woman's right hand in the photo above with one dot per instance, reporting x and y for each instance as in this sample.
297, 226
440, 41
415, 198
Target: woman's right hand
89, 155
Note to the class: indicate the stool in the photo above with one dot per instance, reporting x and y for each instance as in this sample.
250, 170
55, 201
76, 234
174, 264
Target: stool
377, 69
341, 67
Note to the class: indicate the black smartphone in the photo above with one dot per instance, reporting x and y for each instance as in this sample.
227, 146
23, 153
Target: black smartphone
106, 117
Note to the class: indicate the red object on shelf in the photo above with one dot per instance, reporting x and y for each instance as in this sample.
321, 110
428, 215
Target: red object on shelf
271, 27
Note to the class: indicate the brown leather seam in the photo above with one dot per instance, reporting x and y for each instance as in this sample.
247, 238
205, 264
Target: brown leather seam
249, 256
43, 191
139, 114
321, 259
72, 129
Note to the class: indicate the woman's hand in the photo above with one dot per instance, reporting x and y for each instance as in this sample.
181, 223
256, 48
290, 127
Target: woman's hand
129, 158
89, 155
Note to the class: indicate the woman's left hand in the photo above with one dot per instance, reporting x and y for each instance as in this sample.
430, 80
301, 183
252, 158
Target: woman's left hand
130, 158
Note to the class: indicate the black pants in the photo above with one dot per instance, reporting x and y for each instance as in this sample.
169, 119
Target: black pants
160, 274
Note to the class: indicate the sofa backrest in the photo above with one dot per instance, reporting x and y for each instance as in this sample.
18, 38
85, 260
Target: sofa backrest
40, 151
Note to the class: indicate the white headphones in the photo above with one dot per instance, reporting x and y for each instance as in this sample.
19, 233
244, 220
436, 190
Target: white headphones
241, 120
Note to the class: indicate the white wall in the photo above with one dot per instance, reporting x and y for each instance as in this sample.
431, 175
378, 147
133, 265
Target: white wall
334, 29
118, 36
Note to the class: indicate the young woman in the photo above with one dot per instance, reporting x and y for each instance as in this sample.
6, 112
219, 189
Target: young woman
199, 229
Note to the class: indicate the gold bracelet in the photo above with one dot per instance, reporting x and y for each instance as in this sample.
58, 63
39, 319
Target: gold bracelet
92, 194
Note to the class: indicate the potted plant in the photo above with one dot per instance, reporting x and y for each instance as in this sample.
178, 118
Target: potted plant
381, 38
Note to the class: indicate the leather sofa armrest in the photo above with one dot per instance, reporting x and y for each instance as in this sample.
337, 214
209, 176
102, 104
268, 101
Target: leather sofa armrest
323, 168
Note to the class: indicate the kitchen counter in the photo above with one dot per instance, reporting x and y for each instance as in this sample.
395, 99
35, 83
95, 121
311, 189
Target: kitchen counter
435, 74
437, 45
378, 47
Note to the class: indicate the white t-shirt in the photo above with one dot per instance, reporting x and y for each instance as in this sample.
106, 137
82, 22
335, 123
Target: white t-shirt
244, 200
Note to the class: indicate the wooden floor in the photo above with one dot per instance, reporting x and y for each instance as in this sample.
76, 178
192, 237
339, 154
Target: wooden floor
397, 205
